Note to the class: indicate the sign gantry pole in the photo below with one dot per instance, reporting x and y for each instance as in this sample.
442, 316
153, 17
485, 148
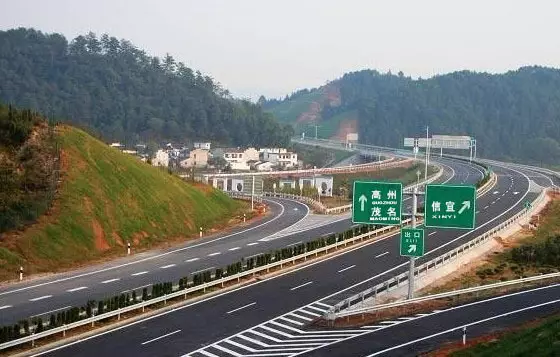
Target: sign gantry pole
412, 258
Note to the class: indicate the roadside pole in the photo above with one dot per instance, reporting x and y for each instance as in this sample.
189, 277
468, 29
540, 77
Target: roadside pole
253, 194
411, 264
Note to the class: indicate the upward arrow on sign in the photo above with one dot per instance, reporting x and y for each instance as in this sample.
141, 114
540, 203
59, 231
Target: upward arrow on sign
466, 205
363, 200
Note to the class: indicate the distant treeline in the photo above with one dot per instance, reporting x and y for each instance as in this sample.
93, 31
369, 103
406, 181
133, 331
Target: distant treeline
121, 93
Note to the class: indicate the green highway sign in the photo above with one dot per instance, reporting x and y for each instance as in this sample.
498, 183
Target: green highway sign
448, 206
377, 202
412, 242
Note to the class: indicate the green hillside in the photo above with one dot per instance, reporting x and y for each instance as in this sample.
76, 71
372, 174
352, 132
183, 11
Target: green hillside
105, 199
513, 115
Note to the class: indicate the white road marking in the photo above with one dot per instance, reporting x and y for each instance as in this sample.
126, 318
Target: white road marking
316, 308
167, 266
350, 267
382, 254
254, 243
48, 312
40, 298
296, 243
515, 193
191, 260
390, 322
294, 322
139, 273
5, 307
152, 257
77, 289
208, 354
160, 337
485, 207
241, 308
235, 248
477, 212
432, 233
310, 313
110, 281
496, 192
301, 286
201, 270
300, 316
214, 254
136, 288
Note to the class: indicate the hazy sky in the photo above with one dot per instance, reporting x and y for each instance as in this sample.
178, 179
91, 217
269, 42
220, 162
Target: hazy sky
266, 47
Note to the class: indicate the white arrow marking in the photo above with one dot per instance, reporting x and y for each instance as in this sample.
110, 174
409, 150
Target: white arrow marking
412, 248
363, 200
466, 205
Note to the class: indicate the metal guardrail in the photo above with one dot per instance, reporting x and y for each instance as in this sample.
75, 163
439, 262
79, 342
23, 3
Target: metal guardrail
244, 196
438, 261
198, 288
446, 294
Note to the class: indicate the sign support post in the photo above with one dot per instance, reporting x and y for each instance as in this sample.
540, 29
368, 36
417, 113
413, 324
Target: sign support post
411, 264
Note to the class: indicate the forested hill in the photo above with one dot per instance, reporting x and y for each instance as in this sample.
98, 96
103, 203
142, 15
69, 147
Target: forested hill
122, 93
514, 116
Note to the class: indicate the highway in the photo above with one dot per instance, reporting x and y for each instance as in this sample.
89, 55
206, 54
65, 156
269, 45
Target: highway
290, 223
414, 335
272, 308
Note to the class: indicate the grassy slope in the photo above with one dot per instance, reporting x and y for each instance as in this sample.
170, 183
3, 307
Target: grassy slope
289, 111
107, 198
543, 340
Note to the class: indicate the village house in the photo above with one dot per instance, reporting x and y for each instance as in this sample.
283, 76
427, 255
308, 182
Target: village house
197, 158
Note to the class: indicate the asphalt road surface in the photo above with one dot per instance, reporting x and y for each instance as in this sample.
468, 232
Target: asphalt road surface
271, 309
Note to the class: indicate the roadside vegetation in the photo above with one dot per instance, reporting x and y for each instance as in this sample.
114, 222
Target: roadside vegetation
320, 157
540, 340
104, 200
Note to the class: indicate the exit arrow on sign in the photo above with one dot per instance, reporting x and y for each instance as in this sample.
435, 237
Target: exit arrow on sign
363, 200
466, 205
412, 248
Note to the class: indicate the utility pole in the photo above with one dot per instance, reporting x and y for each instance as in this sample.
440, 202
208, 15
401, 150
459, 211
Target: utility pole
411, 261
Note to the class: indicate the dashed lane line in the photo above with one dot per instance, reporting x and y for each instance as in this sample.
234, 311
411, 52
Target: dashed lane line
301, 286
241, 308
5, 307
432, 233
167, 266
191, 260
77, 289
214, 254
41, 298
347, 268
382, 254
234, 248
139, 273
110, 281
254, 243
160, 337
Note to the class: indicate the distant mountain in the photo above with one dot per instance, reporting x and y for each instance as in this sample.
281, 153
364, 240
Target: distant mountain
515, 115
116, 90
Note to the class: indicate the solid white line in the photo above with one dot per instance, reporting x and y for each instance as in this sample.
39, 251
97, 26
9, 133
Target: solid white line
226, 350
214, 254
41, 298
382, 254
301, 286
160, 337
139, 273
320, 303
316, 308
201, 270
5, 307
110, 281
192, 260
310, 313
350, 267
208, 354
167, 266
154, 256
136, 288
432, 233
296, 243
48, 312
241, 308
390, 322
254, 243
77, 289
464, 325
235, 248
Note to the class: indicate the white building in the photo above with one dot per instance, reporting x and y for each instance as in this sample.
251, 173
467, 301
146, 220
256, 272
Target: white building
205, 146
265, 152
239, 159
286, 159
197, 158
161, 158
323, 184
